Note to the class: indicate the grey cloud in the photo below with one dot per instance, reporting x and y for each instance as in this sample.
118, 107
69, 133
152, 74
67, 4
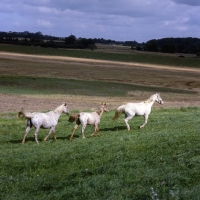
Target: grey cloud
188, 2
138, 20
136, 8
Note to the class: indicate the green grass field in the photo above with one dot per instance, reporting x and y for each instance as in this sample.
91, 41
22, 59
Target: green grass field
160, 161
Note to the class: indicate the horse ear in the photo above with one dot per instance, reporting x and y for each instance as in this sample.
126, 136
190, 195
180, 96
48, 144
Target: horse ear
65, 104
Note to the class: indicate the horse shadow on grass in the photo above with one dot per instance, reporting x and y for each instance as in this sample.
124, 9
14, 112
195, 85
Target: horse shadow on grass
101, 130
116, 128
39, 140
28, 139
68, 137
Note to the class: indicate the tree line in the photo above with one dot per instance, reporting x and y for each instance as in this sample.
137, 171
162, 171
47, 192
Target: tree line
174, 45
38, 39
166, 45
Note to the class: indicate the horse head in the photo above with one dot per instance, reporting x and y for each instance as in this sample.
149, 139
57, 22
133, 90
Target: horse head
62, 109
102, 108
158, 99
65, 109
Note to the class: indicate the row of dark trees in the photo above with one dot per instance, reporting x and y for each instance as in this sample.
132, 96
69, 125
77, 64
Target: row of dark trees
80, 43
174, 45
37, 39
27, 34
165, 45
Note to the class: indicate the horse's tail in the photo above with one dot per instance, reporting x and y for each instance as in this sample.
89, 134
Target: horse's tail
73, 117
26, 115
119, 111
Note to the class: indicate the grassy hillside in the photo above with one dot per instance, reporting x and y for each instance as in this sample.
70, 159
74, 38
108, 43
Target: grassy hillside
35, 85
128, 56
160, 161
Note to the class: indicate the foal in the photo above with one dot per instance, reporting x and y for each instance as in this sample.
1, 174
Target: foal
91, 118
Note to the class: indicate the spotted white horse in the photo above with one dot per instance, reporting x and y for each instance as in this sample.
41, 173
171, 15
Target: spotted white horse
91, 118
46, 120
139, 109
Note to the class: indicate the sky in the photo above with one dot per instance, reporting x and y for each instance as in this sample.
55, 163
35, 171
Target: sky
119, 20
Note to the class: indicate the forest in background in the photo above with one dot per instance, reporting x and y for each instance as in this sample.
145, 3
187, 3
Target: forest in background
187, 45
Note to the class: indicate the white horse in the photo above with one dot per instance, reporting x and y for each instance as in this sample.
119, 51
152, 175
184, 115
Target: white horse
39, 120
91, 118
139, 109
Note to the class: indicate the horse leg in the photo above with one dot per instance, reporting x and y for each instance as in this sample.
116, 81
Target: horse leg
83, 128
25, 134
74, 129
145, 121
54, 134
36, 133
96, 129
51, 129
126, 122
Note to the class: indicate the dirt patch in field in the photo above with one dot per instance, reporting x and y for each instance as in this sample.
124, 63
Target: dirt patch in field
88, 69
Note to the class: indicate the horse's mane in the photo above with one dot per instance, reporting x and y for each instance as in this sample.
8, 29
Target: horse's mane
100, 109
150, 99
59, 109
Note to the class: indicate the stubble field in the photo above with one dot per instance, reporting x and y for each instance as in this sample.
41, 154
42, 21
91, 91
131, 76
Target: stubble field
141, 74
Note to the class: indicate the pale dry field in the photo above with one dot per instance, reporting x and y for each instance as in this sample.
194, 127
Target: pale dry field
88, 69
